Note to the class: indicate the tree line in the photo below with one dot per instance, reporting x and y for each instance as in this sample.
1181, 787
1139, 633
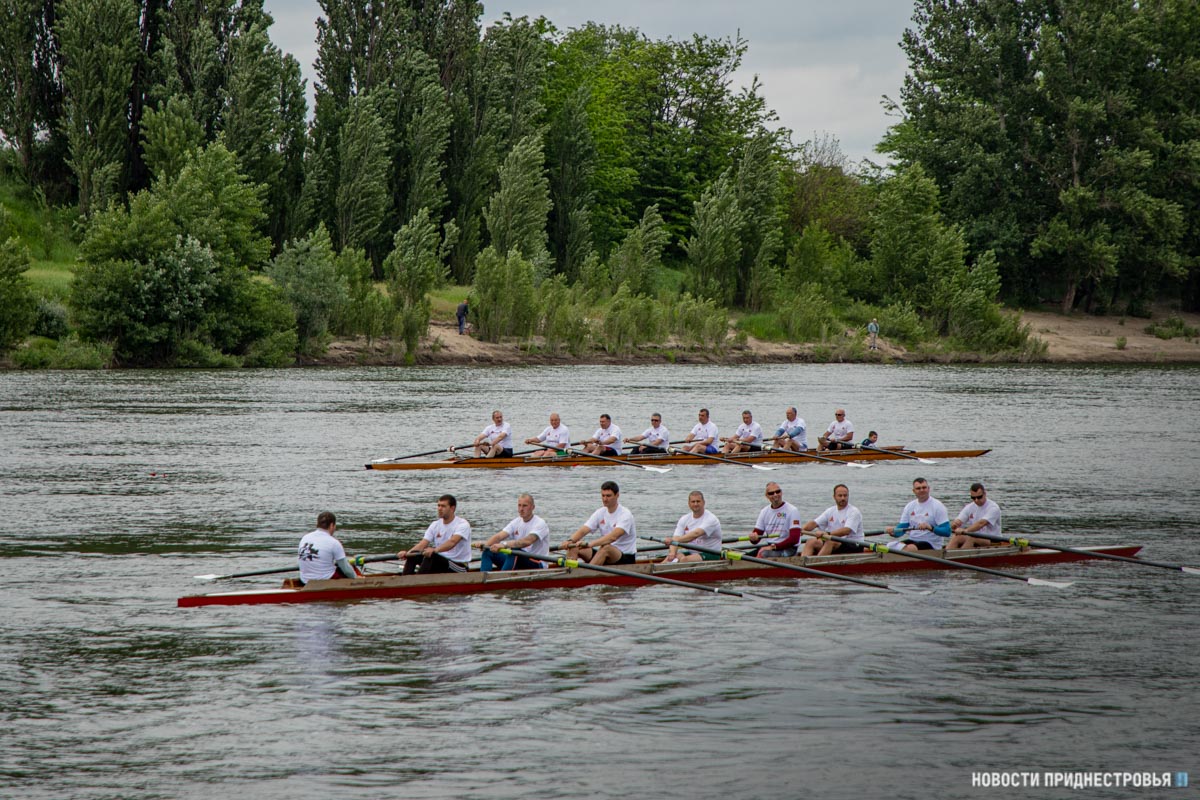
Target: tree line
594, 186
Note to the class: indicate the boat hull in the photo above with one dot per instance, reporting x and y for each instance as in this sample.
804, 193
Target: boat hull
664, 460
413, 586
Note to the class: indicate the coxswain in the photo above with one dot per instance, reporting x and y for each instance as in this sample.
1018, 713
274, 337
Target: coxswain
606, 441
320, 556
654, 439
527, 531
555, 438
839, 435
779, 524
446, 545
980, 515
614, 528
703, 436
495, 441
747, 439
698, 526
840, 519
872, 440
791, 433
924, 521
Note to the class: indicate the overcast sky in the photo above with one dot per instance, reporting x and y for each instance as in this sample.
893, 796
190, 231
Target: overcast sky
824, 65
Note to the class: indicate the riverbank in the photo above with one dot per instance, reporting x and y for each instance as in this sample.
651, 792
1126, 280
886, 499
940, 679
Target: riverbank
1075, 339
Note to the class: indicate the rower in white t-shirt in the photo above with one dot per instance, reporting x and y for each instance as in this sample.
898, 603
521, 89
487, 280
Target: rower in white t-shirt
527, 531
703, 436
446, 545
779, 523
654, 439
924, 521
614, 528
496, 439
840, 433
840, 519
554, 438
791, 434
747, 439
320, 556
981, 515
606, 441
699, 527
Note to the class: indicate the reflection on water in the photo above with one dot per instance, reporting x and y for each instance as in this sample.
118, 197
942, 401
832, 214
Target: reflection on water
118, 487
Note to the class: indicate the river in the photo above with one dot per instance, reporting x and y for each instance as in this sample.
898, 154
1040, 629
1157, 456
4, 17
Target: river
117, 487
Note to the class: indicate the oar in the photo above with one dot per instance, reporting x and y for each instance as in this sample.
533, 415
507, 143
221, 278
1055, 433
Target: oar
418, 455
883, 549
571, 563
806, 454
618, 461
737, 555
897, 453
718, 458
1021, 542
356, 561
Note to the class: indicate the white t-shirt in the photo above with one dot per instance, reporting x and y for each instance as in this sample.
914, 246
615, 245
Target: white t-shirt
603, 523
558, 437
833, 518
492, 431
932, 512
704, 430
519, 529
972, 513
838, 429
438, 533
776, 522
612, 430
318, 555
753, 429
795, 430
656, 437
708, 523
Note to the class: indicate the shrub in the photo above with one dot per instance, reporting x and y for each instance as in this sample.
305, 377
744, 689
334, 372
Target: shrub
308, 279
805, 315
50, 320
504, 301
1121, 342
68, 353
764, 326
195, 354
1171, 327
631, 321
564, 320
16, 296
699, 322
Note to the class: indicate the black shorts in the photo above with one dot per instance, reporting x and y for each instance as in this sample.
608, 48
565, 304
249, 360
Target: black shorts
646, 449
839, 446
846, 547
506, 453
608, 451
922, 545
627, 558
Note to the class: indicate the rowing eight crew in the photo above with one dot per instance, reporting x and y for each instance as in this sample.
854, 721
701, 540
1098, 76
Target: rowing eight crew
495, 441
609, 536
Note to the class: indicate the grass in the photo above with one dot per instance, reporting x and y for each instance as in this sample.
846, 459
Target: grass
764, 326
444, 301
47, 233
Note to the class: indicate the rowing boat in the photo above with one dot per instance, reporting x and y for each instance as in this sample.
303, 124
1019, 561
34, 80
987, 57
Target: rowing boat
683, 459
406, 586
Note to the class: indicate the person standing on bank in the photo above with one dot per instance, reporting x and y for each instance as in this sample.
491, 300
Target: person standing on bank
461, 315
446, 545
320, 556
873, 332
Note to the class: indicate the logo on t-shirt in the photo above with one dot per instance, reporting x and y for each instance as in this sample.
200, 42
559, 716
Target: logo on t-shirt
308, 552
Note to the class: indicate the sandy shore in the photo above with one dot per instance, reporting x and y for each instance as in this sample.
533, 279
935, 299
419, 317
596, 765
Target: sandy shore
1075, 339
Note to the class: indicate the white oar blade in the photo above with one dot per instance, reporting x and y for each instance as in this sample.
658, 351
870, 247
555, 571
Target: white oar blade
206, 577
1190, 570
926, 460
656, 469
911, 591
860, 466
1053, 584
761, 468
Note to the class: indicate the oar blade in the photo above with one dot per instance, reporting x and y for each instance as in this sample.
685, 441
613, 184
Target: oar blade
927, 460
206, 577
858, 465
1190, 570
1051, 584
654, 469
762, 468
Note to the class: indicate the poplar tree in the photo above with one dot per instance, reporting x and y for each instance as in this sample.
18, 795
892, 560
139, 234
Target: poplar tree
714, 249
362, 192
516, 213
413, 268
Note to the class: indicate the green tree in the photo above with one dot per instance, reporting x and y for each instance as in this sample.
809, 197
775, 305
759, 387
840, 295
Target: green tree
24, 82
362, 192
16, 295
413, 269
637, 263
572, 156
516, 213
99, 40
714, 250
503, 299
170, 137
306, 273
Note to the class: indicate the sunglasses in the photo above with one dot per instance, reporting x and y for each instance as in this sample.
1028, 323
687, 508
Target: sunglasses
777, 491
977, 496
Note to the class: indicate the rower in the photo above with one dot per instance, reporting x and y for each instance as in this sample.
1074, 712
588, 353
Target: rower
791, 434
616, 541
698, 525
747, 439
924, 520
496, 439
446, 545
320, 556
606, 441
840, 519
654, 439
527, 531
871, 441
554, 438
779, 523
980, 515
839, 435
703, 436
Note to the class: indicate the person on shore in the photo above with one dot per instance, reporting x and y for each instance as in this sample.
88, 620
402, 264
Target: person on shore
446, 545
840, 519
872, 440
654, 439
981, 515
747, 439
495, 441
778, 524
615, 529
703, 436
461, 315
791, 434
527, 531
839, 435
554, 438
606, 441
873, 332
700, 527
320, 556
924, 521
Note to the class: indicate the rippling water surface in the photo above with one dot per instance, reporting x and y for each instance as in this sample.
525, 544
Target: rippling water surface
117, 488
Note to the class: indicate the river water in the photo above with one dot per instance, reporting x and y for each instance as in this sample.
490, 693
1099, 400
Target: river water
117, 487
